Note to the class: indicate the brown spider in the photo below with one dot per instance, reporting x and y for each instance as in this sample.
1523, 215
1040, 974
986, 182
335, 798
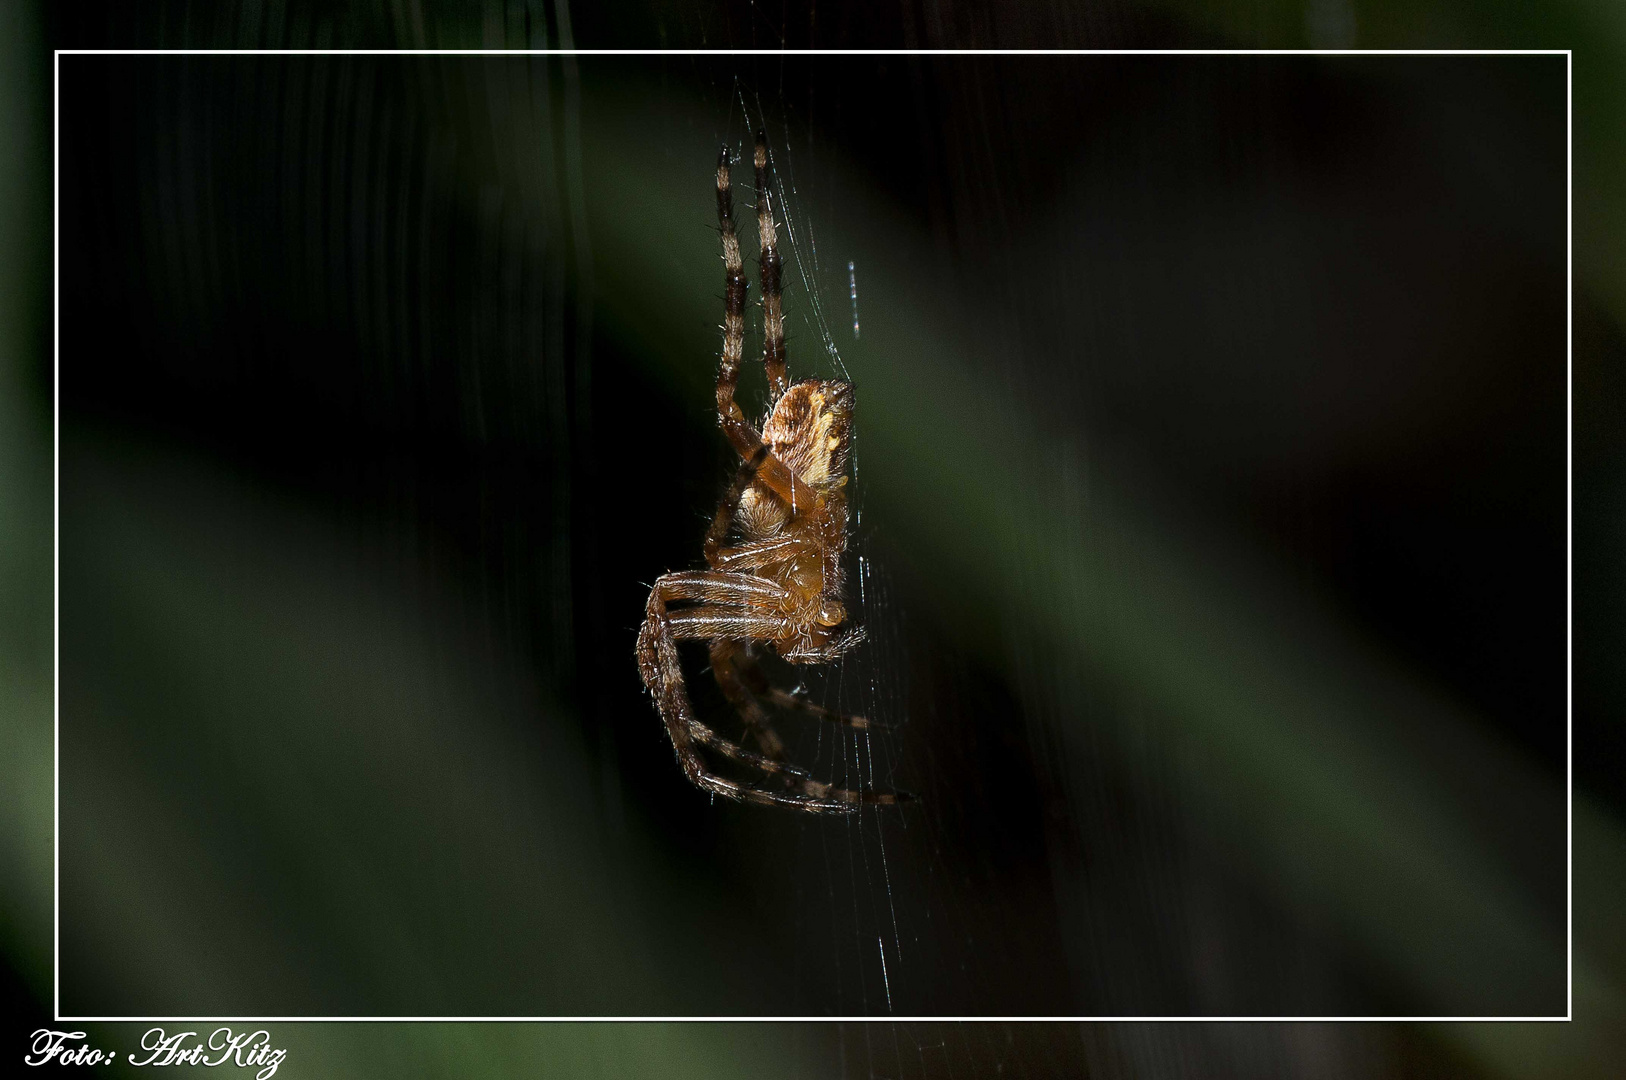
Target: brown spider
781, 586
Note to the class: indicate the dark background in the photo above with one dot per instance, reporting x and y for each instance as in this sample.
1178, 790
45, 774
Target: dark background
1118, 740
376, 421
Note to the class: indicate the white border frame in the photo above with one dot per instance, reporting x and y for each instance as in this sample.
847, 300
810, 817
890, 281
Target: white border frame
1569, 528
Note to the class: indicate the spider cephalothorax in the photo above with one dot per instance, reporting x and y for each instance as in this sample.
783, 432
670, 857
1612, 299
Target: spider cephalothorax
780, 586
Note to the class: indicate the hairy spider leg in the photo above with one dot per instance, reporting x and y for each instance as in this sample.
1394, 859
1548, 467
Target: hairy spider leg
658, 663
726, 588
755, 718
662, 672
751, 556
757, 682
734, 751
745, 439
717, 621
730, 505
754, 554
773, 318
728, 368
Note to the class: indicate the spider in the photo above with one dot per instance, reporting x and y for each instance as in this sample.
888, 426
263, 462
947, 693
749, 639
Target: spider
779, 587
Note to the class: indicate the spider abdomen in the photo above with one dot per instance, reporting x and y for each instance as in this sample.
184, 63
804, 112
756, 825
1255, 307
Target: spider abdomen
809, 430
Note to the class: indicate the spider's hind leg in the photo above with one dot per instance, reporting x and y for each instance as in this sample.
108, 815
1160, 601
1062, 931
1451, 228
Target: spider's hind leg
773, 319
728, 367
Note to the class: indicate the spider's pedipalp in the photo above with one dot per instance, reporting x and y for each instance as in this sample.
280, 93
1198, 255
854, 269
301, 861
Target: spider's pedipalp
833, 650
